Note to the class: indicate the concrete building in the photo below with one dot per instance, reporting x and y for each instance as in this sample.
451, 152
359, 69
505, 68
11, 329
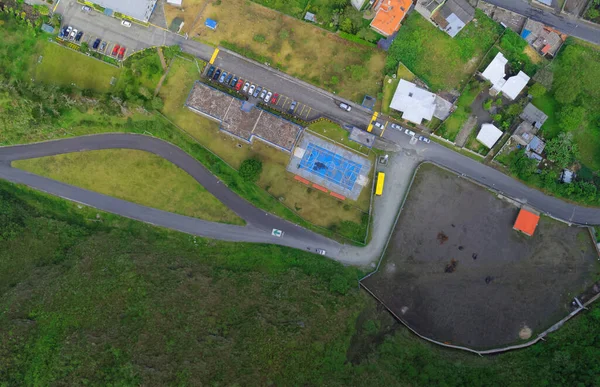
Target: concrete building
533, 115
417, 104
545, 40
527, 221
496, 74
489, 135
137, 9
390, 14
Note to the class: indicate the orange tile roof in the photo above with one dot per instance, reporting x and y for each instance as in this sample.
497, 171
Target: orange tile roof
390, 14
526, 222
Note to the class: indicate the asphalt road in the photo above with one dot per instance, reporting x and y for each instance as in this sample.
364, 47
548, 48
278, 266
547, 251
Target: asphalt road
564, 23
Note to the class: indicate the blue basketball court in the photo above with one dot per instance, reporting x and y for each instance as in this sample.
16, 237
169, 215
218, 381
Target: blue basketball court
331, 166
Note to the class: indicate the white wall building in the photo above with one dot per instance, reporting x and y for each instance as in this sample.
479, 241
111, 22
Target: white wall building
496, 74
417, 104
489, 135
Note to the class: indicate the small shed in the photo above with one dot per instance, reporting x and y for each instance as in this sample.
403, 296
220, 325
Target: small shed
176, 3
526, 222
310, 17
489, 135
210, 23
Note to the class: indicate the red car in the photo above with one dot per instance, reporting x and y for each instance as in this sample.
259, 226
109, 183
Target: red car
239, 85
122, 52
274, 99
115, 50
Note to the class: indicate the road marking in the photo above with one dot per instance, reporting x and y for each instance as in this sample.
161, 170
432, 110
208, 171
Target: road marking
214, 56
56, 6
284, 101
302, 111
309, 109
384, 128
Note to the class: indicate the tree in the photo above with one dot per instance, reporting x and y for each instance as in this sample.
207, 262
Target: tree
537, 90
562, 150
84, 47
250, 170
523, 166
571, 117
346, 25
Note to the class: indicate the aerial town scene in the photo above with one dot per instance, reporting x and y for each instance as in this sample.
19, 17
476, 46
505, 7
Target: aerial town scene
300, 192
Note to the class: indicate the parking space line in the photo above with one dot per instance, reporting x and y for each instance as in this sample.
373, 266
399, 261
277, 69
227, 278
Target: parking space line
284, 101
302, 111
56, 6
384, 128
308, 111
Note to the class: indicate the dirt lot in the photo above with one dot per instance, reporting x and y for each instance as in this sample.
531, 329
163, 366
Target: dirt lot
503, 282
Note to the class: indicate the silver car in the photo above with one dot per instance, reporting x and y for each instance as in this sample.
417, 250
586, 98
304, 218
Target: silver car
246, 86
424, 139
409, 132
321, 252
268, 97
251, 90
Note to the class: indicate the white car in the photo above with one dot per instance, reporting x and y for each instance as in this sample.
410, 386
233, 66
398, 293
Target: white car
395, 126
344, 106
424, 139
251, 89
86, 8
246, 86
378, 124
263, 93
277, 233
73, 33
268, 97
126, 23
409, 132
321, 251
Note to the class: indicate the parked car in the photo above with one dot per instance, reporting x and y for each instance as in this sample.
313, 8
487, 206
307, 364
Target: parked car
277, 233
78, 36
251, 90
239, 84
233, 82
292, 107
378, 124
69, 29
211, 71
65, 31
217, 74
115, 50
228, 79
86, 8
345, 107
96, 44
125, 23
257, 92
409, 132
275, 99
122, 52
102, 46
246, 86
72, 34
223, 76
395, 126
268, 97
263, 93
424, 139
321, 251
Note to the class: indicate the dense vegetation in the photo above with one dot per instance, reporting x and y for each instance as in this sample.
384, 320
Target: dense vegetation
92, 298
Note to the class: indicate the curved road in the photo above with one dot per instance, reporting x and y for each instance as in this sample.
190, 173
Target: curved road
259, 223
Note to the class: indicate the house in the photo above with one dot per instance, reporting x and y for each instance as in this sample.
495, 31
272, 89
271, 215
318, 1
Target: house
136, 9
527, 221
489, 135
453, 16
544, 39
524, 133
417, 104
536, 145
390, 14
533, 115
310, 17
496, 74
358, 4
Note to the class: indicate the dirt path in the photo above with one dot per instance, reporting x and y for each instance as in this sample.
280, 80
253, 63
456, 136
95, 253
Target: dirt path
162, 79
162, 58
465, 131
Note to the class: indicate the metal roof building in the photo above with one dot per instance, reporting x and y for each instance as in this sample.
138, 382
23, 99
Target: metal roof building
137, 9
417, 104
489, 135
496, 73
453, 16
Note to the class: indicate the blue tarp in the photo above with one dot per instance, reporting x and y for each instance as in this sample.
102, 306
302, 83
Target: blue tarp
525, 34
210, 23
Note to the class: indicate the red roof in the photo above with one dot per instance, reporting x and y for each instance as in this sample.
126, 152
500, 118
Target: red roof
390, 15
526, 222
545, 49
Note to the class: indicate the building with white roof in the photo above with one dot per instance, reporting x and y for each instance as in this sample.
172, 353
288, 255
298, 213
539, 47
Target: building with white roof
137, 9
489, 135
417, 104
496, 74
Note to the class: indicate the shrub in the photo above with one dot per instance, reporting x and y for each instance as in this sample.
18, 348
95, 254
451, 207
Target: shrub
537, 90
259, 38
250, 170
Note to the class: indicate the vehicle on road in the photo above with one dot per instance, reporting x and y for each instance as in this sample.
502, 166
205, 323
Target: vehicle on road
345, 107
115, 50
222, 77
395, 126
78, 36
321, 251
228, 79
275, 99
211, 71
268, 97
424, 139
85, 8
380, 183
72, 34
122, 52
277, 233
246, 86
233, 82
378, 124
217, 74
292, 107
96, 44
251, 90
239, 84
102, 46
125, 23
409, 132
257, 91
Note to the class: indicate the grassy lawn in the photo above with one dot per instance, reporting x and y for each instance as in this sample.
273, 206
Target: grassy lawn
451, 127
338, 134
315, 207
17, 49
444, 63
475, 145
62, 66
548, 105
136, 176
298, 48
390, 84
188, 13
143, 69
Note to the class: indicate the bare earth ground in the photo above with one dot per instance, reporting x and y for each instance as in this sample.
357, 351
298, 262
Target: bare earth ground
504, 282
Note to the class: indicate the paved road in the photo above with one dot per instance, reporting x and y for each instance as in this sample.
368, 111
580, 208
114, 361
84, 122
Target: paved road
569, 25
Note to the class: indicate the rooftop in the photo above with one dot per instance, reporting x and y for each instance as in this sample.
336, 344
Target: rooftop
526, 222
453, 16
415, 103
137, 9
489, 135
496, 73
534, 115
389, 15
536, 145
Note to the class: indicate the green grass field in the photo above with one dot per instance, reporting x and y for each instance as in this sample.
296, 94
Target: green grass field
64, 67
390, 84
338, 134
451, 127
136, 176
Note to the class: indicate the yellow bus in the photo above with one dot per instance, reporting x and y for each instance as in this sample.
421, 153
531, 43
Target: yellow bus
373, 119
380, 182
